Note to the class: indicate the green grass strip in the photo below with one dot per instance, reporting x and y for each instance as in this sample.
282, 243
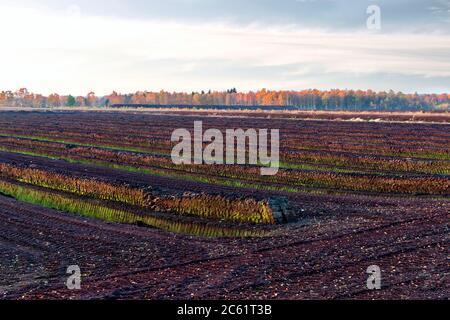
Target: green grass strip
95, 210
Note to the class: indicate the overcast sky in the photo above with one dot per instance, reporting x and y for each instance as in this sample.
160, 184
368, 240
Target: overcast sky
184, 45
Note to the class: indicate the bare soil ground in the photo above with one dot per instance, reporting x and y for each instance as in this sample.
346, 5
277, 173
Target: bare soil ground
328, 259
323, 253
400, 116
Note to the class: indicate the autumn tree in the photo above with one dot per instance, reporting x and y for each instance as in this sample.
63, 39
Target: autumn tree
54, 100
310, 99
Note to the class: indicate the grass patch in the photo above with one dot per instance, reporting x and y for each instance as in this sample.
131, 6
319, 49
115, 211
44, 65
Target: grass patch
95, 210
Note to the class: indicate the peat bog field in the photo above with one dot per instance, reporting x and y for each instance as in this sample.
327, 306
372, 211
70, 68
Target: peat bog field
99, 190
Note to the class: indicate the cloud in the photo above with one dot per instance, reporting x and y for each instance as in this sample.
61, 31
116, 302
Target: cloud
49, 50
398, 15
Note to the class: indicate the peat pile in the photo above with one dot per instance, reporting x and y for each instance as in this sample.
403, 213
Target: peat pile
219, 207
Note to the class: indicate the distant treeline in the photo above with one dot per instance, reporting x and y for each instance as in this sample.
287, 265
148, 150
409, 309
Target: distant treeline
306, 100
205, 106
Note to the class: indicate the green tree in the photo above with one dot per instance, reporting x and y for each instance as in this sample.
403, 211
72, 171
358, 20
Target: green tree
70, 101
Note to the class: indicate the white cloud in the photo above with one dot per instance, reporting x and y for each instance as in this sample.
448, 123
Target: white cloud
66, 52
